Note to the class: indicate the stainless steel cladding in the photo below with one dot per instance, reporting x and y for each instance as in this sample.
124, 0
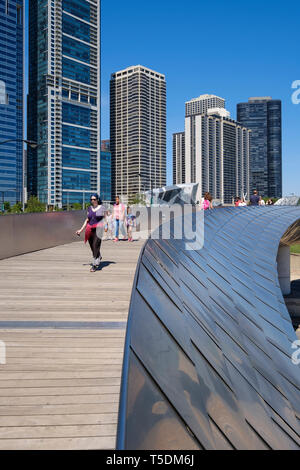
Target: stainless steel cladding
208, 350
24, 233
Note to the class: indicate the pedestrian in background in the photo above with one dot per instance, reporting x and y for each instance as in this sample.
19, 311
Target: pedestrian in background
254, 199
242, 203
262, 202
237, 201
109, 226
207, 202
119, 219
130, 222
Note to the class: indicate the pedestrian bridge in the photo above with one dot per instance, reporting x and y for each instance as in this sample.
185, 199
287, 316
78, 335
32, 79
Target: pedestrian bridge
64, 329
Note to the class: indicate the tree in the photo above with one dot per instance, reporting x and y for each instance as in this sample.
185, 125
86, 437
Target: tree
137, 199
76, 206
34, 205
7, 207
16, 208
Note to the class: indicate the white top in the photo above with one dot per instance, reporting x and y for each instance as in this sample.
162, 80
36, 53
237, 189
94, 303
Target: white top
95, 209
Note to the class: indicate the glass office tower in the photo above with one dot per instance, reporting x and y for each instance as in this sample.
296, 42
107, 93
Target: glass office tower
11, 99
105, 171
179, 158
263, 116
64, 100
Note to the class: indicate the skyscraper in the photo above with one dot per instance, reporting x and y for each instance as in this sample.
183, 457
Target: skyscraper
137, 130
105, 171
179, 158
216, 150
11, 99
263, 116
201, 104
64, 100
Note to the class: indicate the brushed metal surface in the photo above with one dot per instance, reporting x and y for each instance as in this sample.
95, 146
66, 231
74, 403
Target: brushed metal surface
24, 233
207, 362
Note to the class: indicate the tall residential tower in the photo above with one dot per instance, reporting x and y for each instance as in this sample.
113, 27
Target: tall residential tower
263, 116
137, 130
11, 99
179, 158
64, 100
216, 149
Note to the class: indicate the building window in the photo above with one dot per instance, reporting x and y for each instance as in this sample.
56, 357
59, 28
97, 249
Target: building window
3, 94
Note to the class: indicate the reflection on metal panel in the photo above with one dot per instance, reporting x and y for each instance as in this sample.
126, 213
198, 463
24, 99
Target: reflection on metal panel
24, 233
207, 361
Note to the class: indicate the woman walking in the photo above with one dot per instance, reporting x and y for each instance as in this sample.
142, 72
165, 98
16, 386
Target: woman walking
93, 226
119, 219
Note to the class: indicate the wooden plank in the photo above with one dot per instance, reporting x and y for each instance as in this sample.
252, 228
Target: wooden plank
59, 409
47, 391
66, 383
60, 374
57, 420
81, 443
40, 432
59, 400
59, 388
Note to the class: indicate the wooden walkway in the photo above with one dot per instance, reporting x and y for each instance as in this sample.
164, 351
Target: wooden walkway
64, 330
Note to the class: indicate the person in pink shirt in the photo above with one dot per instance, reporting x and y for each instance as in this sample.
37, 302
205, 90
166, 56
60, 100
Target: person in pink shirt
119, 218
207, 202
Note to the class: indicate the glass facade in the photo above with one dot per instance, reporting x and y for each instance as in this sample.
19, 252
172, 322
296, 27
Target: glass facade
75, 71
105, 176
74, 114
11, 100
75, 49
263, 117
64, 81
75, 28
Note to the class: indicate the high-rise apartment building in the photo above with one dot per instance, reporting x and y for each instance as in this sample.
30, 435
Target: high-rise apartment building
11, 99
137, 130
216, 150
263, 116
201, 104
64, 100
179, 158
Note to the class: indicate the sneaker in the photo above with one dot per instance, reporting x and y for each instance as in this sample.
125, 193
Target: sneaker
97, 261
116, 240
93, 269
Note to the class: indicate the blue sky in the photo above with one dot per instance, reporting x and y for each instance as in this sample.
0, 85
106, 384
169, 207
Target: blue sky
230, 48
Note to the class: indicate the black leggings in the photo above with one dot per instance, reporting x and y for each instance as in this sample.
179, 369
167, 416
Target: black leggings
95, 243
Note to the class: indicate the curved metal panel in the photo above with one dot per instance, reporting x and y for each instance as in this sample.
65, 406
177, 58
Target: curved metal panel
207, 361
24, 233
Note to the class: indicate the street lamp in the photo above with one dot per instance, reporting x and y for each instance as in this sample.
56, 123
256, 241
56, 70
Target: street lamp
31, 143
151, 192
